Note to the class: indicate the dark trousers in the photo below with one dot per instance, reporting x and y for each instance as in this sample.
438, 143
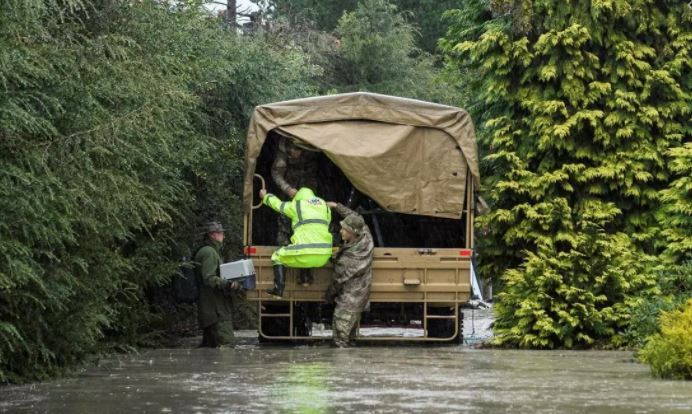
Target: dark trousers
217, 334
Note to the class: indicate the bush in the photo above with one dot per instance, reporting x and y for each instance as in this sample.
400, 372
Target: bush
670, 352
674, 285
577, 298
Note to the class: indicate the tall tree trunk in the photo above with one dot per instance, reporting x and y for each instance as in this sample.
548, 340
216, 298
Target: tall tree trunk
230, 13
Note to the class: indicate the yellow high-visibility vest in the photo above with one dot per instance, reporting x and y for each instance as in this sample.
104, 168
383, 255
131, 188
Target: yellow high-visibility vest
310, 217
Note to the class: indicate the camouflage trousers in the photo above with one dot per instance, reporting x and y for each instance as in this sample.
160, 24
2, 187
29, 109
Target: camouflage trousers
344, 327
217, 334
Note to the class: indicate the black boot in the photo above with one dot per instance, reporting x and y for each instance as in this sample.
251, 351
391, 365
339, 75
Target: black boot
279, 281
306, 277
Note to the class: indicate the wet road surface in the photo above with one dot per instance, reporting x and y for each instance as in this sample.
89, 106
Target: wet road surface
318, 379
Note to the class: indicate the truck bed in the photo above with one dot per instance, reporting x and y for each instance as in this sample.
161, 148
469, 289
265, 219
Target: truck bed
399, 275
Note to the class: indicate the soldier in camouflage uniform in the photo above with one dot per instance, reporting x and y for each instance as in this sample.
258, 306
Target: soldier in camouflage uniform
293, 168
214, 307
353, 275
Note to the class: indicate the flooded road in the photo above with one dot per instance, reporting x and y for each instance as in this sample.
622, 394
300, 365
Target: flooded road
319, 379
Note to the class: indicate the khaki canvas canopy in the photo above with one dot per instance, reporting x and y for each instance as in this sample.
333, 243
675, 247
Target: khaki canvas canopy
407, 155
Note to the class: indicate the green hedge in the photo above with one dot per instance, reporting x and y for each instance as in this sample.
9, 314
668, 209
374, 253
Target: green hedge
670, 352
583, 114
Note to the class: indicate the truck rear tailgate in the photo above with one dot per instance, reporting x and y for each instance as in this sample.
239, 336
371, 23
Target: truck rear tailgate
399, 275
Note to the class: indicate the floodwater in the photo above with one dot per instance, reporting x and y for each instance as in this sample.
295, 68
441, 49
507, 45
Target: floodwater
251, 378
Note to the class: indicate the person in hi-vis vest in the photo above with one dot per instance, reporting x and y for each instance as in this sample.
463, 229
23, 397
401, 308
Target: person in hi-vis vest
311, 241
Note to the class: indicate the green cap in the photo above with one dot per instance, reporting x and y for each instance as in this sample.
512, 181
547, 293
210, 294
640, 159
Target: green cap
213, 227
353, 223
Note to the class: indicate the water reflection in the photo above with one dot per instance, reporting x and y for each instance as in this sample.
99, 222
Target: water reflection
320, 379
302, 388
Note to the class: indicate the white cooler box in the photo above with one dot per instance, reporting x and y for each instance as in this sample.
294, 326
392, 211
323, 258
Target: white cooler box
242, 271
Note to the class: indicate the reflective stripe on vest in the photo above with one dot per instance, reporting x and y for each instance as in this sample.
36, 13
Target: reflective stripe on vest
308, 221
311, 221
300, 213
308, 246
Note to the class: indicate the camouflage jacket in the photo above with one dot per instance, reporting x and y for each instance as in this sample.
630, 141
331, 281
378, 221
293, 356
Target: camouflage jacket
288, 172
353, 268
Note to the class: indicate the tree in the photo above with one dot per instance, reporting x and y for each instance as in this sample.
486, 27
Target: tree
120, 132
426, 15
320, 15
673, 270
377, 53
675, 215
585, 99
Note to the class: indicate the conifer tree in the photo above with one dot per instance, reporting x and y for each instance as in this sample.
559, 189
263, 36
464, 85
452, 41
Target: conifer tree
378, 53
675, 215
582, 100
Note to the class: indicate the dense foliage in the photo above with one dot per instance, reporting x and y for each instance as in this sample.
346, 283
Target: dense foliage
673, 289
674, 269
581, 103
576, 298
378, 53
372, 47
325, 15
670, 352
120, 131
675, 215
668, 348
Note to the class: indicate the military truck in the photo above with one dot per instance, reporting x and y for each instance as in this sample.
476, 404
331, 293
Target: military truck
411, 169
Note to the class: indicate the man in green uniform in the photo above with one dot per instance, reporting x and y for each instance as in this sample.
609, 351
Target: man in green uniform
214, 308
311, 242
353, 275
293, 168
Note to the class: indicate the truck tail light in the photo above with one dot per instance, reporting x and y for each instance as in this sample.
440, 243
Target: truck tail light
249, 250
465, 252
